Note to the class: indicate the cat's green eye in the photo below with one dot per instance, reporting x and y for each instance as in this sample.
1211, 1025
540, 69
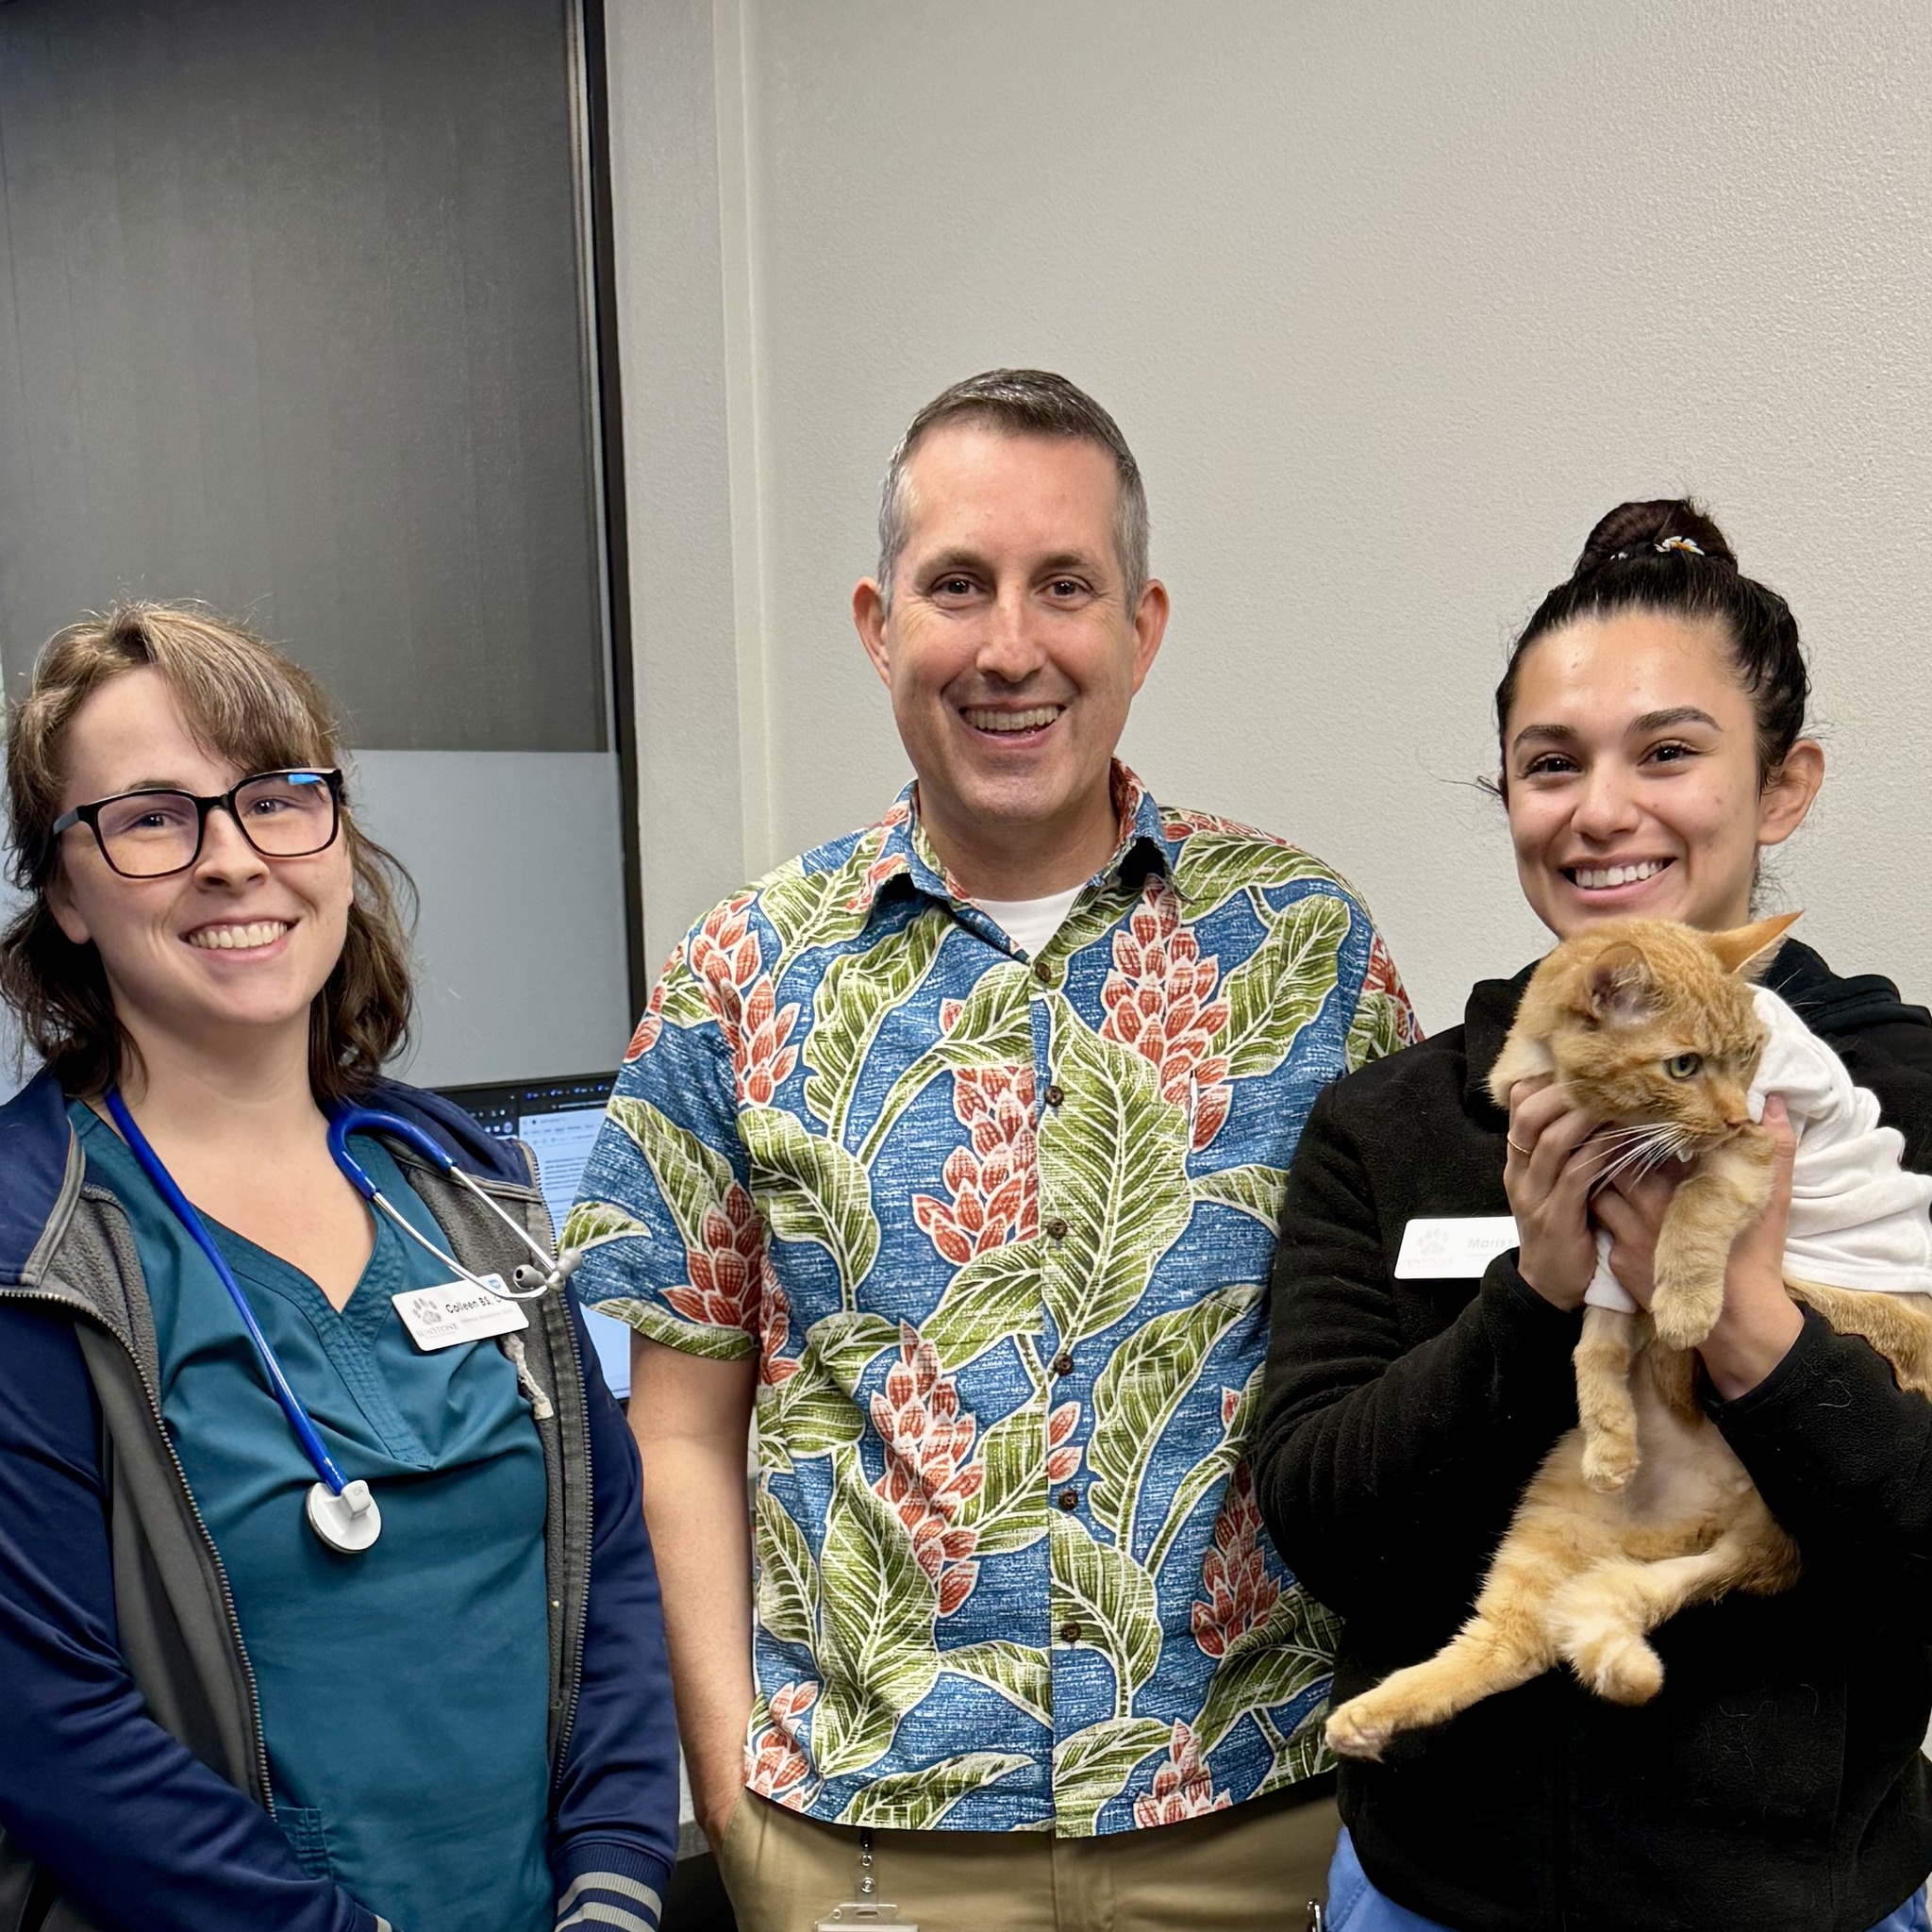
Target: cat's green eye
1684, 1066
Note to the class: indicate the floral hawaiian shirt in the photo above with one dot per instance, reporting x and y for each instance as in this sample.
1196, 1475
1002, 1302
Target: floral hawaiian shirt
998, 1229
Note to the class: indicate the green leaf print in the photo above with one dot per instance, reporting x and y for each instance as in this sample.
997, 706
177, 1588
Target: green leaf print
810, 1190
1214, 866
690, 1176
806, 1415
1113, 1164
1112, 1598
993, 1296
1272, 996
1093, 1766
815, 908
852, 1002
1021, 1673
1375, 1032
685, 1002
1250, 1189
876, 1611
787, 1577
918, 1800
1290, 1648
1139, 1390
1211, 1471
816, 1409
993, 1029
591, 1224
1009, 1510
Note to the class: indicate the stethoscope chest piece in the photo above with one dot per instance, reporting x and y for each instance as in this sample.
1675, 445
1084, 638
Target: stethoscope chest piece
349, 1523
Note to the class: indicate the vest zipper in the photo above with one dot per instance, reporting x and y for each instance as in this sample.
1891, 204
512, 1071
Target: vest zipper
154, 1405
583, 1616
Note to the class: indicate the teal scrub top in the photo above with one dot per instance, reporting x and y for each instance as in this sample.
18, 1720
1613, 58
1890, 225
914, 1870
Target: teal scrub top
404, 1690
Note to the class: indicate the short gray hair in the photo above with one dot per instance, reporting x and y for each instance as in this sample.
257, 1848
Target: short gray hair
1021, 402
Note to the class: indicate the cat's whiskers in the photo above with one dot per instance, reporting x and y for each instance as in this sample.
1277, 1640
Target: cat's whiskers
1638, 1150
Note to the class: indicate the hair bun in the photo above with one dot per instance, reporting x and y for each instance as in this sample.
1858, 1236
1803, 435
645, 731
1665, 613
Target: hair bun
1663, 526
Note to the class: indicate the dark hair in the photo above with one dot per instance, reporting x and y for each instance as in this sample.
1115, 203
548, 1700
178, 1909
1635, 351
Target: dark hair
1669, 557
244, 699
1021, 402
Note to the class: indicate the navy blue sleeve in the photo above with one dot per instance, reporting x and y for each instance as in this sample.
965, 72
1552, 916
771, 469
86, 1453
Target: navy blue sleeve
614, 1831
140, 1834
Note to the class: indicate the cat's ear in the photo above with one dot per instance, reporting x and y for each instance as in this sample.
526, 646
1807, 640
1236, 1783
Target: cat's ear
1748, 949
1618, 989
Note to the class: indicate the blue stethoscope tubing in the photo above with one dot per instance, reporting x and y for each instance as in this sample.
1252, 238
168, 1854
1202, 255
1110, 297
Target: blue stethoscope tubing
343, 1514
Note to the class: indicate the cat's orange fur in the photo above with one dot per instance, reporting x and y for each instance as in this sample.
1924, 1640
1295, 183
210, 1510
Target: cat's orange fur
1643, 1509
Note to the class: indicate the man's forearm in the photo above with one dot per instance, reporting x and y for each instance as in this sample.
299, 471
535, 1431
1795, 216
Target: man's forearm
697, 1505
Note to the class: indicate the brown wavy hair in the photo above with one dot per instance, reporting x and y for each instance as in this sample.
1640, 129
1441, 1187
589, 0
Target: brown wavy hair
247, 702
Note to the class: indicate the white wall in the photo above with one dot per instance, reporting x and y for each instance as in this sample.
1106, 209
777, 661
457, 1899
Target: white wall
1392, 301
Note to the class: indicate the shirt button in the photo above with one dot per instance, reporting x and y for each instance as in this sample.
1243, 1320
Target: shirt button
1063, 1363
1070, 1632
1068, 1499
1056, 1229
1054, 1096
1043, 971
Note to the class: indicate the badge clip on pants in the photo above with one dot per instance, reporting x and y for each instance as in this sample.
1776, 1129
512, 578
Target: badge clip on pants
867, 1909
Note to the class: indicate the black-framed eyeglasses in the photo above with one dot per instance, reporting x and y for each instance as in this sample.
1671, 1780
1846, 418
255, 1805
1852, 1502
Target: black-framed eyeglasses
154, 831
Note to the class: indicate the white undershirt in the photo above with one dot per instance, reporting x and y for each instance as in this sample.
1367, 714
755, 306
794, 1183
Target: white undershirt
1030, 923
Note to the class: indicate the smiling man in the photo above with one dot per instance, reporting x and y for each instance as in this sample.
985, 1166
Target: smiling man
955, 1149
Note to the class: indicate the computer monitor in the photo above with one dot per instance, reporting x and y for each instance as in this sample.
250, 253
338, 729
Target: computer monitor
557, 1120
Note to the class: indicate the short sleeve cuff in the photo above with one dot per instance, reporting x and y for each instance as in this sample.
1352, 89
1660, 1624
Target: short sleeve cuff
660, 1324
610, 1885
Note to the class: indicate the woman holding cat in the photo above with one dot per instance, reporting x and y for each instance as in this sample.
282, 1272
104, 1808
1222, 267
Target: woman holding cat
1652, 720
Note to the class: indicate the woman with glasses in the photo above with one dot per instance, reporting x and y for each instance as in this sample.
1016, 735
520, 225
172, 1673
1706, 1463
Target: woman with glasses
219, 1710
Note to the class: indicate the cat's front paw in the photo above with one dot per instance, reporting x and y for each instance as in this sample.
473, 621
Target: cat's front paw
1608, 1463
1353, 1732
1685, 1315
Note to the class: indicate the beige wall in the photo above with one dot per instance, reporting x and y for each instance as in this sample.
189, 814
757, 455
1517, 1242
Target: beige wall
1392, 301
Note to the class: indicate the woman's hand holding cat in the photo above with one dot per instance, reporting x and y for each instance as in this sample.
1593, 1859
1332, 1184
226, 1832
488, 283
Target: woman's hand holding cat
1547, 1173
1631, 1212
1760, 1320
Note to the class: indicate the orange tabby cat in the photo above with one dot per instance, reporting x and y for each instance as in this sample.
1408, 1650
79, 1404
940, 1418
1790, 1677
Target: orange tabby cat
1643, 1509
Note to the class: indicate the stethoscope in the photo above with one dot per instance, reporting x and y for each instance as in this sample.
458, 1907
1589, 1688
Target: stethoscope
343, 1513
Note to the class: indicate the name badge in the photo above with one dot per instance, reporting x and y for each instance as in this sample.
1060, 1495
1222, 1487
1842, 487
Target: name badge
1456, 1247
455, 1312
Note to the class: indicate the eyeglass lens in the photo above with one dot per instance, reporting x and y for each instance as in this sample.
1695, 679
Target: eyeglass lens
282, 815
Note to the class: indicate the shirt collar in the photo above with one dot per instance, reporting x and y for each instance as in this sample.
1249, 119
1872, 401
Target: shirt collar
905, 852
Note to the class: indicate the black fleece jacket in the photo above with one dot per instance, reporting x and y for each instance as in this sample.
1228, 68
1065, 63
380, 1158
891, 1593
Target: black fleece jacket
1776, 1783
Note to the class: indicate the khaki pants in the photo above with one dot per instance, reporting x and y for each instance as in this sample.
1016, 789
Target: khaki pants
1252, 1868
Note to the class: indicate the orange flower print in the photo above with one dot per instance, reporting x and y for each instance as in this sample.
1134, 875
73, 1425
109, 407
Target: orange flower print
727, 955
775, 1762
764, 1060
1062, 1456
1234, 1572
645, 1038
1183, 1786
726, 1277
993, 1180
1157, 1000
928, 1479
